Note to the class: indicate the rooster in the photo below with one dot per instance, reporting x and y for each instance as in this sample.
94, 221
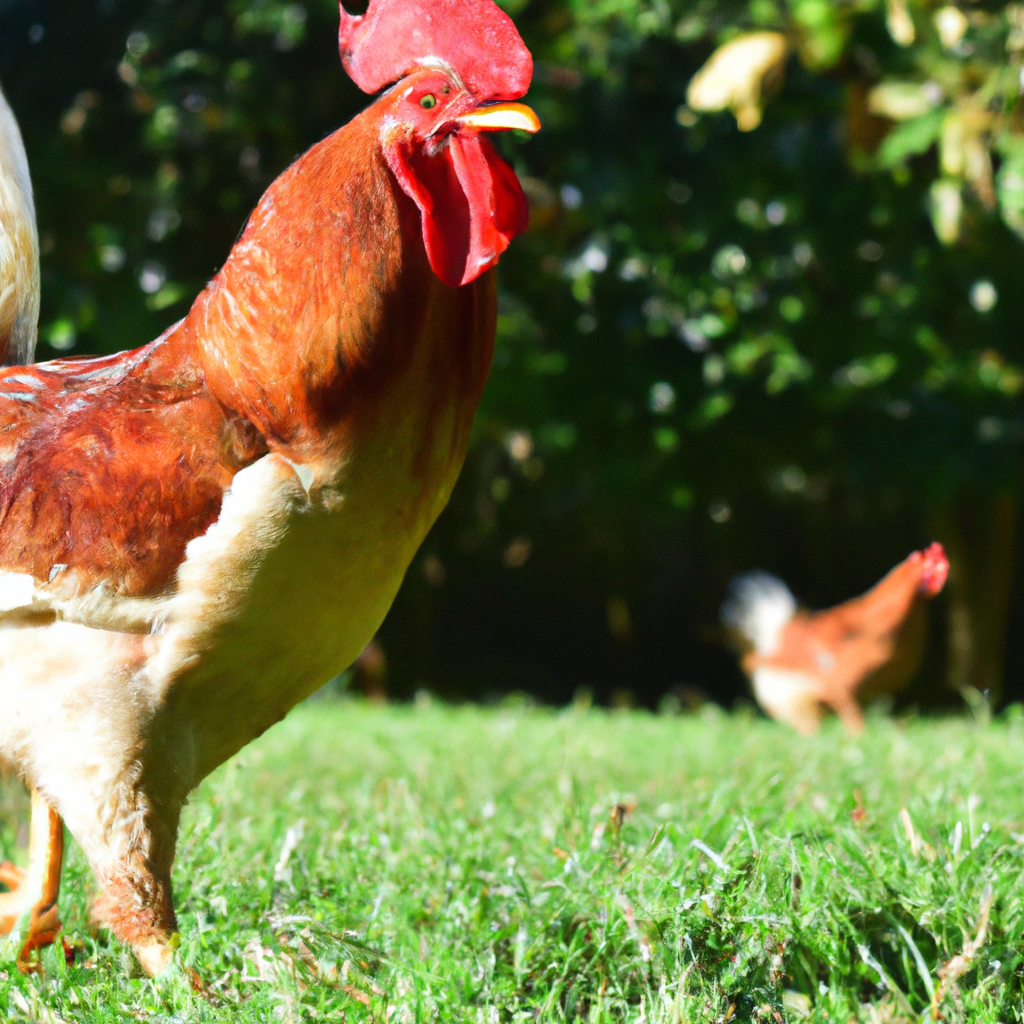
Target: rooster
802, 662
196, 535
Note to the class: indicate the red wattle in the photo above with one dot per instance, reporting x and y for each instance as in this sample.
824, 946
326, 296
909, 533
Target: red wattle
471, 203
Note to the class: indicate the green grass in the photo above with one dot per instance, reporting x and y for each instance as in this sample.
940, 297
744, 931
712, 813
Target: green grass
513, 865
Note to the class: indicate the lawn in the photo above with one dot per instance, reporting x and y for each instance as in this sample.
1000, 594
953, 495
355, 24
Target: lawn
431, 863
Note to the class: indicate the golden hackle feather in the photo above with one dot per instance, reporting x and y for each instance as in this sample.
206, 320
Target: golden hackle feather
19, 247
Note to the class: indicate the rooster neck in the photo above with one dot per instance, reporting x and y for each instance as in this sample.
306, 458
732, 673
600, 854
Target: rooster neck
327, 300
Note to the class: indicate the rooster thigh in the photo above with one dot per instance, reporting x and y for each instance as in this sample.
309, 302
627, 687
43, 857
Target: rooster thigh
76, 706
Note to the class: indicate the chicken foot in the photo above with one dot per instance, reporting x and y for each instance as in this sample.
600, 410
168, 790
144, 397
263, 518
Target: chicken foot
34, 892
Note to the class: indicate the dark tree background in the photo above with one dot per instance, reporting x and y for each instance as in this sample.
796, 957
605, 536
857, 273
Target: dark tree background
797, 347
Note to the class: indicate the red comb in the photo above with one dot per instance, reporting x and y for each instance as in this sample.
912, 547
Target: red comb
934, 570
474, 37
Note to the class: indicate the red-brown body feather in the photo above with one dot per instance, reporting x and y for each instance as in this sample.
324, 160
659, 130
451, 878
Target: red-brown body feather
110, 466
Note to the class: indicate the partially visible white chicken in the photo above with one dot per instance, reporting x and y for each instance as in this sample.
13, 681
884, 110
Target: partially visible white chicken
19, 247
801, 663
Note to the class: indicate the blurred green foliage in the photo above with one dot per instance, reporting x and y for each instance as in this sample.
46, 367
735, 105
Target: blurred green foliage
797, 346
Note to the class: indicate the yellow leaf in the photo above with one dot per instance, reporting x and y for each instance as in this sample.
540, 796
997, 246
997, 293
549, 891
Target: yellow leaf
734, 77
951, 24
899, 22
902, 101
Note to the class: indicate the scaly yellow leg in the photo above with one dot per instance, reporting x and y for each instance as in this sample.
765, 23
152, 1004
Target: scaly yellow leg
34, 892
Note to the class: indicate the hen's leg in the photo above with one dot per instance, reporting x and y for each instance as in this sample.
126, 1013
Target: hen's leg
849, 711
34, 892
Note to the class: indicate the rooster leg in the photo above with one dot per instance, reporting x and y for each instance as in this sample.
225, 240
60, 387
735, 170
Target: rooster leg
34, 892
133, 866
136, 906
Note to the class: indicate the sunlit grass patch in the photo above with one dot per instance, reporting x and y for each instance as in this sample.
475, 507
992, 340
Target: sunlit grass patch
440, 864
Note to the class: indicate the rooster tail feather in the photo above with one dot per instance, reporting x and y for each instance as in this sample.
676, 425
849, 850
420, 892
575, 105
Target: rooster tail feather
758, 607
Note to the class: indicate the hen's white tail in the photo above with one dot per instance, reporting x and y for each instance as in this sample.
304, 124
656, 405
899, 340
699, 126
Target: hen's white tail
758, 607
19, 247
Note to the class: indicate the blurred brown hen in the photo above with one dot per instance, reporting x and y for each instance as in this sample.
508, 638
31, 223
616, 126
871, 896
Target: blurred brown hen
801, 663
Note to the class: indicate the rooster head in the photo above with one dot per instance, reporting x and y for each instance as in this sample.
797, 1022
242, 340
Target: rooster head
456, 65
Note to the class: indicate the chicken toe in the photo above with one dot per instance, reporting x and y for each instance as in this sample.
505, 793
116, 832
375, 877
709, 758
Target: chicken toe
32, 902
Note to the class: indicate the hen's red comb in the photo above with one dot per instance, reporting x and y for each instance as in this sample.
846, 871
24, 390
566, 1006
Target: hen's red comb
934, 569
474, 37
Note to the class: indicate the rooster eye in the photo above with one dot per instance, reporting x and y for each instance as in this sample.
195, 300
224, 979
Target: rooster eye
429, 101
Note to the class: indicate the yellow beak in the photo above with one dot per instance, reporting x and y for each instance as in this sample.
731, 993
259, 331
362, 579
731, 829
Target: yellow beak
501, 117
